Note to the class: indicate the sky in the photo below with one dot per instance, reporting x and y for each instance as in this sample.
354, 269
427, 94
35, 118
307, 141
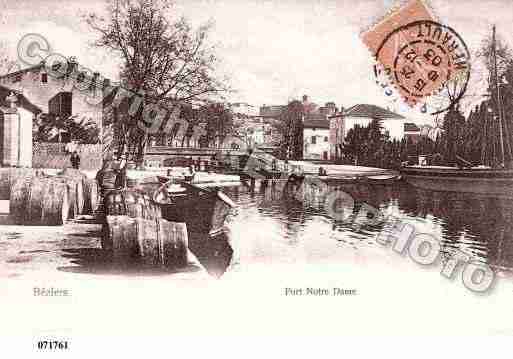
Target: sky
274, 50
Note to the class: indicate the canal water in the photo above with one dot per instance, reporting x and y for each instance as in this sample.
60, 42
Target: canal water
276, 225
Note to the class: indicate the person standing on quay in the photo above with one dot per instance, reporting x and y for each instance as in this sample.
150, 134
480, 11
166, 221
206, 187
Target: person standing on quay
75, 160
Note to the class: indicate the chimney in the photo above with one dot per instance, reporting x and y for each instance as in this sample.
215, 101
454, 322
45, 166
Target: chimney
305, 98
72, 64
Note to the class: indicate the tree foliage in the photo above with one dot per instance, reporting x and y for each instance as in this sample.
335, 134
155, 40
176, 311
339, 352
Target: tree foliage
290, 127
364, 143
51, 128
7, 65
477, 138
219, 122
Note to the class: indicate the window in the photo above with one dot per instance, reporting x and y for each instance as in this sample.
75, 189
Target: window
44, 78
61, 104
314, 140
325, 138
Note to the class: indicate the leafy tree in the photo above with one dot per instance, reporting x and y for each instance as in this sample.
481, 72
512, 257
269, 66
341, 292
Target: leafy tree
365, 144
453, 125
290, 126
6, 64
244, 129
51, 128
219, 122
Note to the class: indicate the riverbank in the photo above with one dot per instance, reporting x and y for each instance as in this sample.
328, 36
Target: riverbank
28, 251
342, 170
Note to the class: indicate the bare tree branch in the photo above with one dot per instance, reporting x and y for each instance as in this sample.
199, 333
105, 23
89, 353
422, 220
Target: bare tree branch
162, 56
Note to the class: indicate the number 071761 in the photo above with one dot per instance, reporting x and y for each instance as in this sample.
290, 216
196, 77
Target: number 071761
52, 345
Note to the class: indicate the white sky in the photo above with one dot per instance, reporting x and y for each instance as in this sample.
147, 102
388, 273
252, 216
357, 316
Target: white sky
273, 50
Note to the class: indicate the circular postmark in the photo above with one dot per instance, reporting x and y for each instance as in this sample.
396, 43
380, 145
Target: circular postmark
424, 63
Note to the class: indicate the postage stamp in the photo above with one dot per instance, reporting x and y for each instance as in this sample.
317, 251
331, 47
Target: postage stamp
417, 58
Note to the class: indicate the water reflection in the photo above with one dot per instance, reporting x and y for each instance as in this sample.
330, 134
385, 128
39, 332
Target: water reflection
275, 221
214, 253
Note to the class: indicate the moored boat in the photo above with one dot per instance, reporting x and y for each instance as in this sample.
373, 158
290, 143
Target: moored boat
480, 180
495, 174
204, 210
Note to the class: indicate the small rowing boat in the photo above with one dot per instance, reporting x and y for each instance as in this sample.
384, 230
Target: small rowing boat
383, 179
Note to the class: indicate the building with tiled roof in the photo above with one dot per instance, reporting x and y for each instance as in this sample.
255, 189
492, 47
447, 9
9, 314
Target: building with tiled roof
70, 89
362, 115
371, 111
272, 111
316, 123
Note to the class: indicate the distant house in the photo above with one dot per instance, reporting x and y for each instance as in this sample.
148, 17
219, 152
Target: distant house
316, 125
17, 115
271, 112
412, 132
63, 95
329, 109
362, 115
316, 138
244, 108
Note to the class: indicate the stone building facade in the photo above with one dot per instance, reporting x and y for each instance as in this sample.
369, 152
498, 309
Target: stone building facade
316, 139
58, 95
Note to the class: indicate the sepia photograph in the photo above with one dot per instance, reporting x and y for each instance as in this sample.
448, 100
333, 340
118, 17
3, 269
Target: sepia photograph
175, 173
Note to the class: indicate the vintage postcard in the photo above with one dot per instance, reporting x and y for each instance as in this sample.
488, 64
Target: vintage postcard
174, 173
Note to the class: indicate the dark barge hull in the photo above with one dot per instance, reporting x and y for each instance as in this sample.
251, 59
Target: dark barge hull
204, 211
474, 180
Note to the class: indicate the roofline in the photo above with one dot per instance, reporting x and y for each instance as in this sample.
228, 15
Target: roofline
376, 118
400, 117
346, 111
316, 125
31, 107
27, 69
